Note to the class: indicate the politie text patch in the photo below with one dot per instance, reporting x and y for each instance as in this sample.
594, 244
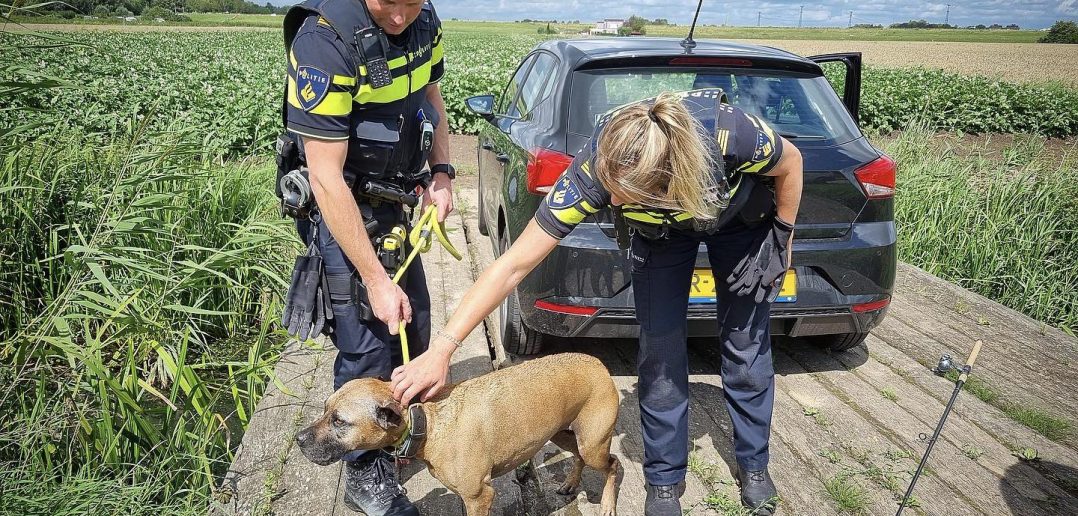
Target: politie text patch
564, 194
312, 85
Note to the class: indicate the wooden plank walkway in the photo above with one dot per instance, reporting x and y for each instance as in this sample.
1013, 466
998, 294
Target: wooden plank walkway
846, 421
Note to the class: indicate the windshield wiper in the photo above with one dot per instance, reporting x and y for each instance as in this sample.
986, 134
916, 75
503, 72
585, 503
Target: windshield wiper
802, 136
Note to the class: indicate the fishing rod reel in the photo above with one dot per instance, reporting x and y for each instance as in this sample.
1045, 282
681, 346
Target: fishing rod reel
946, 365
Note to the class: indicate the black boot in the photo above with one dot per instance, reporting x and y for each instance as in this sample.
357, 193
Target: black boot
371, 487
662, 501
757, 491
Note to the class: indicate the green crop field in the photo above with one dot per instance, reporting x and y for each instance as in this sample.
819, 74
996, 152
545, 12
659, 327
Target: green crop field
145, 258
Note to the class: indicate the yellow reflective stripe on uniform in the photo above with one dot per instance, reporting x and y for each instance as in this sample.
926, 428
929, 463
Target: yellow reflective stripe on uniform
343, 80
586, 168
322, 21
723, 139
395, 91
336, 103
588, 207
570, 215
292, 59
436, 53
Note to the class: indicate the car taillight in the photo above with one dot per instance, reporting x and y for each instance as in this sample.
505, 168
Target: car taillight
871, 307
544, 167
566, 309
878, 178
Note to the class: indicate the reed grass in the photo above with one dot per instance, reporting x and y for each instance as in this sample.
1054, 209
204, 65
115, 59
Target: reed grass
1002, 226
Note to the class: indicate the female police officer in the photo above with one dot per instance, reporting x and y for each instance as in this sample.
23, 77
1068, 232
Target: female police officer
669, 163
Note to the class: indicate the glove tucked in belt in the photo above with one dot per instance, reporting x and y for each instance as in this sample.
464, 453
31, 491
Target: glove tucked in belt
307, 306
766, 262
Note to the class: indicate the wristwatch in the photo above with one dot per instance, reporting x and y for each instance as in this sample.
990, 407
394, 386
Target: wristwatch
445, 168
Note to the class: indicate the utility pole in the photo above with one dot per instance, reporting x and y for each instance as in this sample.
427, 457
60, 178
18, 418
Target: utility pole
799, 16
757, 18
947, 20
851, 20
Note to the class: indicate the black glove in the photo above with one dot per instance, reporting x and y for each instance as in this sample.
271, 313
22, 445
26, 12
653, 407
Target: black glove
304, 296
765, 263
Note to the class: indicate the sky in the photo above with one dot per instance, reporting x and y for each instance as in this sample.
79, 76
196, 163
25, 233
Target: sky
1033, 14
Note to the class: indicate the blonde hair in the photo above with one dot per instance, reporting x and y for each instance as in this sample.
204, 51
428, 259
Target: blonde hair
659, 156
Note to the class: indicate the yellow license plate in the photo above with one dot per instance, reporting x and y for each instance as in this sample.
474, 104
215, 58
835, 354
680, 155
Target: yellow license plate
702, 289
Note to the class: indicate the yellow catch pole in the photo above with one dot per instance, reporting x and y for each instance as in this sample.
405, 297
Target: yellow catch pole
421, 240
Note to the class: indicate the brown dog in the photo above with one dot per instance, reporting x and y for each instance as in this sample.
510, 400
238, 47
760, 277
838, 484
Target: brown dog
484, 427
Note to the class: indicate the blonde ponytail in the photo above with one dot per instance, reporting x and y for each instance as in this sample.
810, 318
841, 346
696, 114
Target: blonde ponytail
659, 156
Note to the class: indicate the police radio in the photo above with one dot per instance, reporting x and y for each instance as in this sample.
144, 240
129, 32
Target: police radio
372, 43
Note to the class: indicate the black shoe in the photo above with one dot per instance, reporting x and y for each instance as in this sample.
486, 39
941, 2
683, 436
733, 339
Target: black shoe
757, 491
371, 487
662, 501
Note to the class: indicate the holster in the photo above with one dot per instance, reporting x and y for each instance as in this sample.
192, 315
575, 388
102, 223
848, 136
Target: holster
347, 288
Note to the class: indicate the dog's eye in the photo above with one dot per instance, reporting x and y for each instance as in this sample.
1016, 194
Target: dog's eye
337, 421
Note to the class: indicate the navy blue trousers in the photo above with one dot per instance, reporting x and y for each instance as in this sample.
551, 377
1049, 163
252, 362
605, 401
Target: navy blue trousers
661, 275
365, 349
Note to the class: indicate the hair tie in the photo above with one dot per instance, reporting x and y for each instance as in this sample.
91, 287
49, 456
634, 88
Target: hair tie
651, 115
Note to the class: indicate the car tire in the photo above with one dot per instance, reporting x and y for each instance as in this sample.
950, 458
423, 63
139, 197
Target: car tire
839, 341
516, 338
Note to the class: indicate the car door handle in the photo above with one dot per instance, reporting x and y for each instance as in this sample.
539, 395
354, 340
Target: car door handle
487, 146
502, 158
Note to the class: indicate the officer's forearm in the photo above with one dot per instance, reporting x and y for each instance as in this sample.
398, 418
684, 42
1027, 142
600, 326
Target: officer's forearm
495, 284
439, 152
325, 159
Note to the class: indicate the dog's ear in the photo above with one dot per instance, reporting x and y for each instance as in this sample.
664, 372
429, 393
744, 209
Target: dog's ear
388, 415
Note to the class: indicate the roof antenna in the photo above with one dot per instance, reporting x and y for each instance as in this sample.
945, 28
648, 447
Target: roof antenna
688, 44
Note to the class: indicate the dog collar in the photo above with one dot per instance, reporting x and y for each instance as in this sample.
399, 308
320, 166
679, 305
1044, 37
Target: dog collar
415, 434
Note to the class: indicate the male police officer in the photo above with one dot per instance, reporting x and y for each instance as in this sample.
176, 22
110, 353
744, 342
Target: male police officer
364, 107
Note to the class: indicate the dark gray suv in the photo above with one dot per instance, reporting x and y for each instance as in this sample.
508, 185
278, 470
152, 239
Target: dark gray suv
844, 248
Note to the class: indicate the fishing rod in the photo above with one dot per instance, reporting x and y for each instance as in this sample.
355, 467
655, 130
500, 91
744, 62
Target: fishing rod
945, 366
688, 44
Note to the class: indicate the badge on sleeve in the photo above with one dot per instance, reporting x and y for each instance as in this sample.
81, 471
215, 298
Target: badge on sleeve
564, 194
765, 147
312, 85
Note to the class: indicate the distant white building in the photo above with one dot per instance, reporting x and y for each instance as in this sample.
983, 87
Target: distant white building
607, 26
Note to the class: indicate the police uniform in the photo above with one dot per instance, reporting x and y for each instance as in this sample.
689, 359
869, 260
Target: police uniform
331, 95
662, 268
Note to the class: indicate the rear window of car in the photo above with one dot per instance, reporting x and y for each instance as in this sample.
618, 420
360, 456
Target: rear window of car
796, 105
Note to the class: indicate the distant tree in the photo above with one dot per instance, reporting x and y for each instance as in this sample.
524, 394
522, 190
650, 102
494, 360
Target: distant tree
981, 26
636, 25
921, 24
102, 11
660, 21
1013, 26
995, 26
867, 26
1062, 32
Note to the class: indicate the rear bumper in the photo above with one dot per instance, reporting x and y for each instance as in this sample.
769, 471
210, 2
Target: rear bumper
832, 277
621, 323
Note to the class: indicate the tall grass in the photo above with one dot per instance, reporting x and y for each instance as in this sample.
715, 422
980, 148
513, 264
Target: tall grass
1001, 226
140, 281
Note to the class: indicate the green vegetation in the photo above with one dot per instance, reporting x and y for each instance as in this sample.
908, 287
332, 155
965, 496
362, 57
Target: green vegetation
1027, 454
141, 279
972, 452
1061, 32
889, 393
1045, 424
1019, 238
897, 99
816, 416
847, 495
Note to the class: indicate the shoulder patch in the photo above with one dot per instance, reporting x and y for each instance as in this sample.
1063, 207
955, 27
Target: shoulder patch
312, 84
765, 147
564, 194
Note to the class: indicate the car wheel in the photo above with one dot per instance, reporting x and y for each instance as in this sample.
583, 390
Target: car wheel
516, 338
839, 341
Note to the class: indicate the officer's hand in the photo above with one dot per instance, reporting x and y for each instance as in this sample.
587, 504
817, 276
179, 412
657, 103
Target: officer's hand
426, 375
441, 194
389, 303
